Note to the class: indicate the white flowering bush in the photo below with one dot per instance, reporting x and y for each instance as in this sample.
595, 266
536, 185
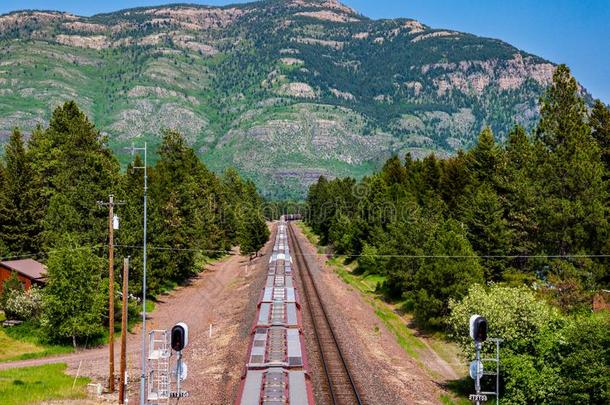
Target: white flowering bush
513, 314
24, 305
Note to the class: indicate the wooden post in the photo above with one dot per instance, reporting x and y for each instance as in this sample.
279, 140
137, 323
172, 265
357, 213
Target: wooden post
110, 205
123, 367
111, 292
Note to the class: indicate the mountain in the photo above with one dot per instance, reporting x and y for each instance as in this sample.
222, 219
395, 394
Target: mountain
283, 90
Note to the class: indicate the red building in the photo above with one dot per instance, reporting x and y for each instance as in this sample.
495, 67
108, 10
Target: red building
28, 271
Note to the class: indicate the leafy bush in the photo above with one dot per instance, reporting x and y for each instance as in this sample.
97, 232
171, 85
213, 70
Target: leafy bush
545, 358
581, 353
23, 305
513, 314
75, 297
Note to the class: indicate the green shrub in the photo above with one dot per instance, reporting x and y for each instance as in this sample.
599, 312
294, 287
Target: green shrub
545, 358
582, 354
514, 314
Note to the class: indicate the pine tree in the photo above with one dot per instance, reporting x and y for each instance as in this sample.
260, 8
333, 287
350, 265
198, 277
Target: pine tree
520, 196
319, 204
430, 174
483, 213
485, 158
439, 279
571, 210
456, 177
562, 113
4, 211
131, 229
173, 219
71, 158
232, 188
600, 129
394, 172
21, 225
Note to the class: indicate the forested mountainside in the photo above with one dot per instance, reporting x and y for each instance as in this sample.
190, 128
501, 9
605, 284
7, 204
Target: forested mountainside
283, 90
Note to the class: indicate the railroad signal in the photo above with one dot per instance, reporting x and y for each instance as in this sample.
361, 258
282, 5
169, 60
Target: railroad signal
180, 336
478, 328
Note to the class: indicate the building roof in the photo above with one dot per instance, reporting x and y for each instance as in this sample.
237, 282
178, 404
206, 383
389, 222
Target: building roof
27, 267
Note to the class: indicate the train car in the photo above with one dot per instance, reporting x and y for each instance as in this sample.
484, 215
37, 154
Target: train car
277, 346
275, 386
286, 294
286, 314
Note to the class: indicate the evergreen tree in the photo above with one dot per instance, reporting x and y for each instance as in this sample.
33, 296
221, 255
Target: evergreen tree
430, 174
21, 223
456, 177
483, 213
485, 158
439, 279
320, 205
71, 158
600, 129
521, 195
394, 172
571, 210
562, 112
132, 222
173, 223
4, 211
233, 190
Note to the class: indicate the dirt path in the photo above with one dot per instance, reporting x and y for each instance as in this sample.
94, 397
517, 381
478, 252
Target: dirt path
382, 369
224, 296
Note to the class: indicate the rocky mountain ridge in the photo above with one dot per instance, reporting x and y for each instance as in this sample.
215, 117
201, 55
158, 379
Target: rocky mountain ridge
283, 90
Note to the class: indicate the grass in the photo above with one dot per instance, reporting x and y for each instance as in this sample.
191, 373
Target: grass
150, 306
34, 384
367, 285
24, 341
448, 400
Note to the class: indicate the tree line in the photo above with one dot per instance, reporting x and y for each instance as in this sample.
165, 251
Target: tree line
532, 211
48, 211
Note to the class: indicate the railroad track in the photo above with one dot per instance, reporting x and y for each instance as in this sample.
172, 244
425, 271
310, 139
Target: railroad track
340, 384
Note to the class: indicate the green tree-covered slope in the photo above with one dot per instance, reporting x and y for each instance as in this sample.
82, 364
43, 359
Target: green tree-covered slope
283, 90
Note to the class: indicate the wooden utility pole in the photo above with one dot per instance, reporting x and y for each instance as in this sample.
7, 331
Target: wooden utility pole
123, 365
110, 204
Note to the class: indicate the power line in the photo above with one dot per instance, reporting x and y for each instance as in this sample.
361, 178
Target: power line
169, 248
47, 253
224, 251
465, 256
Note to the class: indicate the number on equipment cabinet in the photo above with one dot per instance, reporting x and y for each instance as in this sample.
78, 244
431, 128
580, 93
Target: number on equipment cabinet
180, 336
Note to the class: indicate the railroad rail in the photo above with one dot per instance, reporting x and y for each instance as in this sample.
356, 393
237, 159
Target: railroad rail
340, 384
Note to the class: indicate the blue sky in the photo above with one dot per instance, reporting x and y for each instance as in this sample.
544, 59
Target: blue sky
575, 32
